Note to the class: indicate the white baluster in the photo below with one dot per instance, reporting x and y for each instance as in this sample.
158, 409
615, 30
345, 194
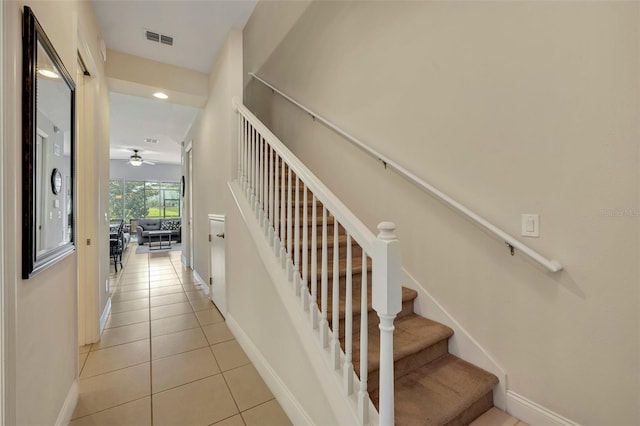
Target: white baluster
296, 239
271, 194
335, 323
265, 186
363, 394
239, 147
283, 209
259, 165
387, 301
276, 207
314, 266
245, 157
259, 180
324, 284
289, 225
252, 180
348, 326
304, 289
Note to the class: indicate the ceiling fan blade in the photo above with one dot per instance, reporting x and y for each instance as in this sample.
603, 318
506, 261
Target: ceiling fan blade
151, 163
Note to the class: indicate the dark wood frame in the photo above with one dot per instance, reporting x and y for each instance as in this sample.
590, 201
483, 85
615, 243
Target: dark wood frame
32, 262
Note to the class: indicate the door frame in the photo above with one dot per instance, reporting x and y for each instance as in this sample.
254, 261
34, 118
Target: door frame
188, 205
88, 270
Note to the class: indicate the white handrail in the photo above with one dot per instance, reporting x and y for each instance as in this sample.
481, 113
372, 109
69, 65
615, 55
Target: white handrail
551, 264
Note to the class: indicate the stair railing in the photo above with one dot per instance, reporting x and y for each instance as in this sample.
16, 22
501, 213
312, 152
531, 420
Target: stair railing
511, 242
301, 217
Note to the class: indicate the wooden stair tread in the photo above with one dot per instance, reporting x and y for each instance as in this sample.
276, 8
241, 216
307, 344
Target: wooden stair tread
447, 391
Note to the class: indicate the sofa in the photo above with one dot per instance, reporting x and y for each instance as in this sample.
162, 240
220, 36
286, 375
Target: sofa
173, 224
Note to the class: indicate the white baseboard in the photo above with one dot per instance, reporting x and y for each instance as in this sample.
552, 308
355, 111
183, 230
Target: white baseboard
287, 400
534, 414
201, 282
105, 316
461, 344
184, 259
64, 416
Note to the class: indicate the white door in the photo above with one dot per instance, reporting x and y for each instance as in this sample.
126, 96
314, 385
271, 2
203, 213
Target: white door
217, 259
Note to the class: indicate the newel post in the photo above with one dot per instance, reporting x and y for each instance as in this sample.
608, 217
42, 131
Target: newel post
387, 301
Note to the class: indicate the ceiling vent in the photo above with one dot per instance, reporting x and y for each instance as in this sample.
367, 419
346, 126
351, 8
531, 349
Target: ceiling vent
164, 39
151, 36
158, 38
149, 140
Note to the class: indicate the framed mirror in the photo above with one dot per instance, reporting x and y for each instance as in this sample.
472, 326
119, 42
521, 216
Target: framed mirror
48, 148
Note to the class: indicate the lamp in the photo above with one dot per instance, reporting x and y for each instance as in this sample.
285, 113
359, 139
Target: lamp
135, 160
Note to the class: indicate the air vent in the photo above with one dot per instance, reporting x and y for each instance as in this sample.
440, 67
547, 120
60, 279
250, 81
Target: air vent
158, 38
151, 36
149, 140
166, 40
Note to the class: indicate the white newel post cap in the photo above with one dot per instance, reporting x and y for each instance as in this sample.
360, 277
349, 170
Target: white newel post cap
387, 271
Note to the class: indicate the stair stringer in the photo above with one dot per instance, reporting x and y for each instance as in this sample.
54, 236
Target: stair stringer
461, 344
344, 406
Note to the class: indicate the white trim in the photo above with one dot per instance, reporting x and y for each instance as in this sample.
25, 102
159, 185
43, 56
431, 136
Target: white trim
534, 414
461, 344
105, 315
285, 397
64, 416
202, 283
344, 407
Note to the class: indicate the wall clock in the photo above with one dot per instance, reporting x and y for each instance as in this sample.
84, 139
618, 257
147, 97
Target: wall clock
56, 181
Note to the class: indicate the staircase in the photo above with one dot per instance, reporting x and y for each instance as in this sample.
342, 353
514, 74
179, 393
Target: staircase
432, 387
317, 246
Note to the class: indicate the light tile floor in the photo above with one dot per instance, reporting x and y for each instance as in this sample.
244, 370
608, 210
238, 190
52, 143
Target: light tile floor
166, 356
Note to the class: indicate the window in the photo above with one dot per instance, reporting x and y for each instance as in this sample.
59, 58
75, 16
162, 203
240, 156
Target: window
138, 199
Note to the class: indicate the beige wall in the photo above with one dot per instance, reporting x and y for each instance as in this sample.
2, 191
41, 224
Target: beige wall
256, 306
210, 135
41, 313
509, 107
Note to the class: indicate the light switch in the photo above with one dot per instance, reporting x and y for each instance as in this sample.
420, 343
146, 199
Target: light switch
530, 225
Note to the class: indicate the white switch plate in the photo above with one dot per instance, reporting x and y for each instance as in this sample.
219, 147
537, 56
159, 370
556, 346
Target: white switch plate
530, 225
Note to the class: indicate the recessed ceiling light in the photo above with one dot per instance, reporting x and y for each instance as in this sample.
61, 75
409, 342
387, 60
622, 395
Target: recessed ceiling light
161, 95
48, 73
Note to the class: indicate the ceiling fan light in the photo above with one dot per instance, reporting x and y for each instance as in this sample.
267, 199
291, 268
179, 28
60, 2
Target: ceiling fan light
135, 160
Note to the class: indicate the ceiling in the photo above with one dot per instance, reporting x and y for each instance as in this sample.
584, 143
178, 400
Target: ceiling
133, 119
199, 29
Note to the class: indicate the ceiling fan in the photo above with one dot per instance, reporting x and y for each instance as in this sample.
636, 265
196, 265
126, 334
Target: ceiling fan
136, 160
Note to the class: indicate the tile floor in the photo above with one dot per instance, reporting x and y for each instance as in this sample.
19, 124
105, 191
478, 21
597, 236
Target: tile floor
166, 356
